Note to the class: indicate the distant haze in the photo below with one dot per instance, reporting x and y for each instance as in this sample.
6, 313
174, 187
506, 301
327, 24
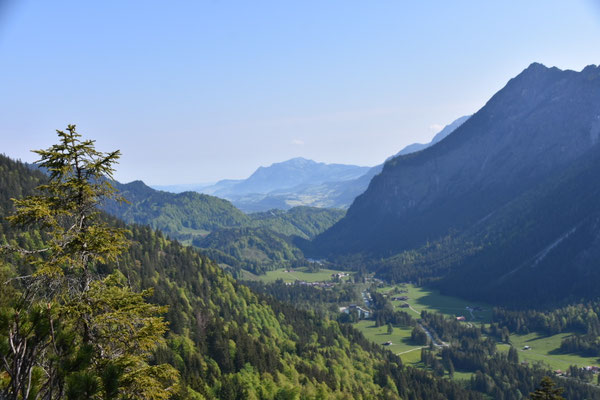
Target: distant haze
196, 92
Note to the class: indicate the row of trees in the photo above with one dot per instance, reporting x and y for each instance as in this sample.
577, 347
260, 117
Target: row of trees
581, 318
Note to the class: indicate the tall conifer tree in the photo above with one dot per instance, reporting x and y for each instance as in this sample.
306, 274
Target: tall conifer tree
67, 331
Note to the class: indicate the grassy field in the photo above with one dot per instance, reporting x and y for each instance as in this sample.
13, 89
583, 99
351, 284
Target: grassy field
298, 274
543, 348
420, 299
546, 349
400, 337
409, 352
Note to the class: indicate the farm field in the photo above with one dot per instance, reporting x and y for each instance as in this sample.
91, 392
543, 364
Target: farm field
543, 348
296, 274
420, 298
400, 338
546, 349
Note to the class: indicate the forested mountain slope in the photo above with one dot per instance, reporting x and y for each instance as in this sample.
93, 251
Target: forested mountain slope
301, 221
257, 241
174, 213
229, 343
539, 123
542, 247
188, 214
257, 250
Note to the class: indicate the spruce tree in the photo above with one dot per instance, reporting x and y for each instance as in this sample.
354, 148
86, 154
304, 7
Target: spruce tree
547, 391
67, 330
513, 355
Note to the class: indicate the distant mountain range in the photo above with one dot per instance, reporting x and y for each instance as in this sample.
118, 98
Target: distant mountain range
509, 199
276, 177
283, 185
301, 182
287, 175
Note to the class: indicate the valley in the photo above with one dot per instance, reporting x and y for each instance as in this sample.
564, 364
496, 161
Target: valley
309, 200
462, 271
544, 350
422, 299
400, 338
438, 261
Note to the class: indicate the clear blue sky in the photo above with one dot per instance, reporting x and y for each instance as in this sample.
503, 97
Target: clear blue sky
195, 91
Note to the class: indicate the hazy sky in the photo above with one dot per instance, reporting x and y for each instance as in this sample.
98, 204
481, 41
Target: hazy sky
195, 91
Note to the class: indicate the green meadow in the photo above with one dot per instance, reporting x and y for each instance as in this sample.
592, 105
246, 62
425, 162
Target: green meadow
400, 338
545, 349
297, 274
420, 298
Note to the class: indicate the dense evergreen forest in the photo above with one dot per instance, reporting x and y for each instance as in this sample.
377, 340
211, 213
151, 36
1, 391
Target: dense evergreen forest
324, 302
253, 249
